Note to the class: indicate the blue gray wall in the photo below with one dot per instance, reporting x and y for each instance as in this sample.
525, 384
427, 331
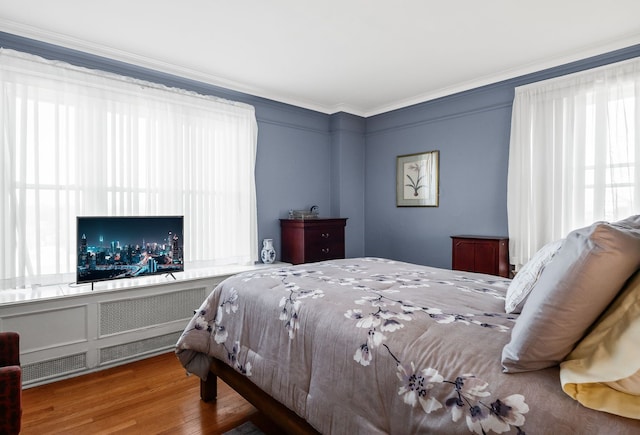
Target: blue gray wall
345, 164
347, 176
471, 133
471, 130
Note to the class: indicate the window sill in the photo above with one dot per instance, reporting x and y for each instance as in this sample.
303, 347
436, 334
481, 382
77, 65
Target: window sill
39, 293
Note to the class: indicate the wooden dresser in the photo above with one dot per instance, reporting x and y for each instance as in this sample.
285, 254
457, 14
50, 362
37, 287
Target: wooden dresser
483, 254
311, 240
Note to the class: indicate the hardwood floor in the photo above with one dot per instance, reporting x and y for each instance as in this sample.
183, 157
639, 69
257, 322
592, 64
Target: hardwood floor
153, 396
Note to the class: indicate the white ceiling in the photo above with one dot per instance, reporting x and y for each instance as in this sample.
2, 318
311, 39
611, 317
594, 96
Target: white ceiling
359, 56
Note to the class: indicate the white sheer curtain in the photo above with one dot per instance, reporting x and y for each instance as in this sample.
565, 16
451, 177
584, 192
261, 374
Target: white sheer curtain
83, 142
574, 155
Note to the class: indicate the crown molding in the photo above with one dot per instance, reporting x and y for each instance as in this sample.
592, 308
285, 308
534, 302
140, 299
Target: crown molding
73, 43
551, 62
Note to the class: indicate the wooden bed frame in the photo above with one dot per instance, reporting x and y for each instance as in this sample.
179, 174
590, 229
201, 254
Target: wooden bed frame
283, 417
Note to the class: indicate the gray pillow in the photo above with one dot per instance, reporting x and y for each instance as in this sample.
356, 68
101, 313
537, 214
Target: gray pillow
528, 276
573, 290
630, 222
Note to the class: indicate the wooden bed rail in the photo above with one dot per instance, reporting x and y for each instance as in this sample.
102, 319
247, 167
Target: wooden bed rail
283, 417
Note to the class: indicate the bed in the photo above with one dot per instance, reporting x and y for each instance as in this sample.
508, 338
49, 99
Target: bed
372, 345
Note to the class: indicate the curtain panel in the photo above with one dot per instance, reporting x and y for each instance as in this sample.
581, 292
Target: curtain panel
80, 142
573, 155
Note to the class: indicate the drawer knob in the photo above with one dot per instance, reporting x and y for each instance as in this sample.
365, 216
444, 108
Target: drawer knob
325, 250
324, 235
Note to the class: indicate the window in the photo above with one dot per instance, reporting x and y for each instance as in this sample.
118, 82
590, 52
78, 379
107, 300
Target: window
82, 142
574, 155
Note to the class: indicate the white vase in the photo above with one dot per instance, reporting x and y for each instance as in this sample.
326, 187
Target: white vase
268, 254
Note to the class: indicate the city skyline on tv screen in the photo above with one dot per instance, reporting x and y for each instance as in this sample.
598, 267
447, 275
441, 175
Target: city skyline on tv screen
127, 247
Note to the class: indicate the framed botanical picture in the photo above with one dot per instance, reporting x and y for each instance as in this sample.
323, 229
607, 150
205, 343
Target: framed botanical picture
417, 180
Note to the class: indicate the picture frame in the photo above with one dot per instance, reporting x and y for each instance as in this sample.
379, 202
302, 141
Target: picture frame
417, 179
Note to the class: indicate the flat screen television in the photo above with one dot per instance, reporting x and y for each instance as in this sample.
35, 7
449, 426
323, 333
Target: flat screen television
113, 247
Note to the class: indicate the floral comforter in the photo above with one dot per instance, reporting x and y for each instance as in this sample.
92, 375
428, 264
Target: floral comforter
370, 346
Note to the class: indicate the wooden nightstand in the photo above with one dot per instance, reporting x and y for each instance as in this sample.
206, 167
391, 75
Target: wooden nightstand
311, 240
483, 254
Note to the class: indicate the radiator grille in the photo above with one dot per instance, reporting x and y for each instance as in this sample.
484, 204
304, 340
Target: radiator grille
53, 367
130, 314
137, 348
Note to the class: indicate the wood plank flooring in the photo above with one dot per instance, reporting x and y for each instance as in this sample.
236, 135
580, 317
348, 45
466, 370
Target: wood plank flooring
152, 396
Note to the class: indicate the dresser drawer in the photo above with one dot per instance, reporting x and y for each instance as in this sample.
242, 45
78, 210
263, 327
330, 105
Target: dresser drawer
325, 244
327, 234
